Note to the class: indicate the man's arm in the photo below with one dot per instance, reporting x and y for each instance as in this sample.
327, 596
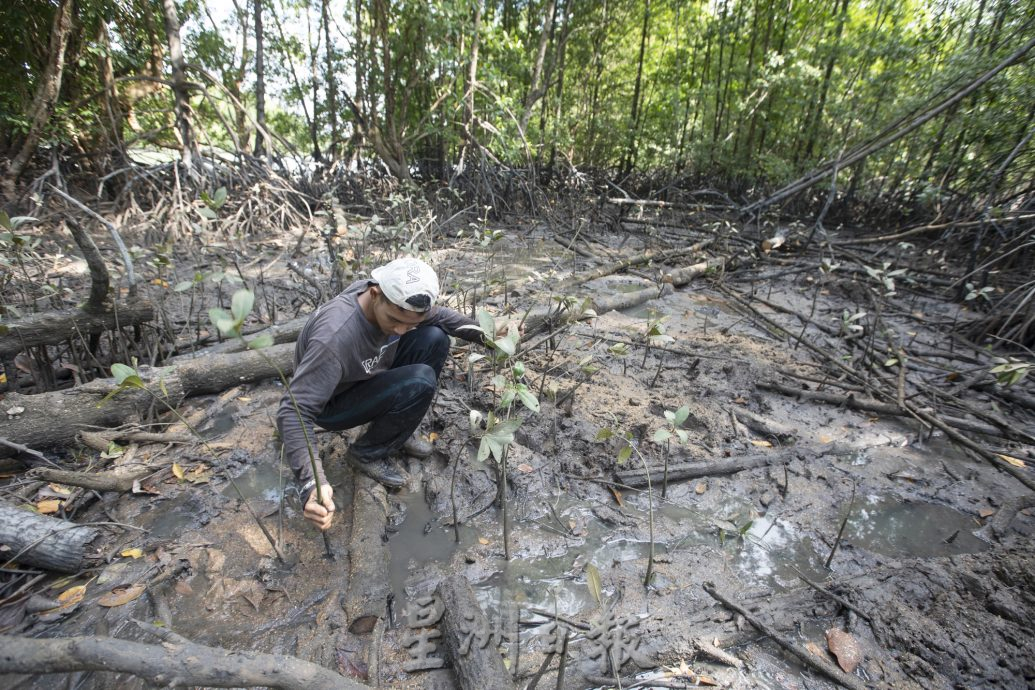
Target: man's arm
313, 384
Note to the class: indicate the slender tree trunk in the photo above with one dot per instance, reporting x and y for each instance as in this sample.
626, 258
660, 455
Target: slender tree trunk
535, 88
817, 117
332, 81
181, 94
598, 70
634, 116
46, 93
314, 83
260, 80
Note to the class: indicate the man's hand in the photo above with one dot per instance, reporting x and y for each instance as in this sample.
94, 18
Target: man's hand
319, 514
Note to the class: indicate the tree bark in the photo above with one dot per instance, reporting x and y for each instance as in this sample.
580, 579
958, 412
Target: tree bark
52, 419
47, 542
46, 93
477, 666
167, 665
535, 89
634, 117
332, 82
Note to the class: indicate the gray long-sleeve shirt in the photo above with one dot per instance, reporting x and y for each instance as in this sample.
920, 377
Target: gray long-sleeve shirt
338, 348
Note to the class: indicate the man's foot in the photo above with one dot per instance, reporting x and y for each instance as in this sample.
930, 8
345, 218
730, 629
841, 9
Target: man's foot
417, 447
381, 471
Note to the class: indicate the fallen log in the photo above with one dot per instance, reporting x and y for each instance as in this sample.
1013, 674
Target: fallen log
869, 405
114, 480
56, 326
637, 479
167, 665
44, 542
477, 664
366, 600
53, 419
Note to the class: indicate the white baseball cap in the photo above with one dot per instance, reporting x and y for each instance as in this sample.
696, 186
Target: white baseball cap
408, 283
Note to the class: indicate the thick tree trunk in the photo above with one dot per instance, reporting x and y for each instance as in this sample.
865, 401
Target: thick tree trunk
39, 541
57, 326
170, 664
53, 419
477, 666
46, 93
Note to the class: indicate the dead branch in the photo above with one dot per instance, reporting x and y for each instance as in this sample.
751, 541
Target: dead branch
171, 664
811, 660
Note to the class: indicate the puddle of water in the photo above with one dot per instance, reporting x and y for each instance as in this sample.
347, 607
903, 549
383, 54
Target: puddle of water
261, 481
899, 529
772, 551
220, 424
421, 539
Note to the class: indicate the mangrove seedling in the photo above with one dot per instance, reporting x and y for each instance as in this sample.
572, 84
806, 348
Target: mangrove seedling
673, 427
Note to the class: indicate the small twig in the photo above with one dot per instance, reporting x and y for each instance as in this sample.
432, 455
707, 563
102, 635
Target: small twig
841, 531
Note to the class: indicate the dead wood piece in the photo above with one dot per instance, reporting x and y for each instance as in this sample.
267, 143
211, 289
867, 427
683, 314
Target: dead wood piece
764, 426
1000, 522
682, 276
57, 326
820, 664
167, 665
692, 470
102, 440
113, 480
53, 419
366, 600
44, 542
612, 268
870, 405
477, 665
713, 652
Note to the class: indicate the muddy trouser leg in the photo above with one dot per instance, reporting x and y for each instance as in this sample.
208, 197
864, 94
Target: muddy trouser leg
394, 401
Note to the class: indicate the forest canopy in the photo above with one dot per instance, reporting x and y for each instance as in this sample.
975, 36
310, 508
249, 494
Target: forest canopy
737, 95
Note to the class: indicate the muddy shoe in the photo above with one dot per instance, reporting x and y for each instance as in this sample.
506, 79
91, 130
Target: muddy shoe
381, 471
417, 447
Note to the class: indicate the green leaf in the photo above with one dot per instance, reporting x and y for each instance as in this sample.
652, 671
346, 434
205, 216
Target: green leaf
5, 220
219, 198
662, 435
260, 342
121, 372
483, 449
221, 320
682, 414
487, 324
206, 212
670, 416
241, 304
183, 286
604, 434
507, 344
624, 454
681, 433
528, 399
507, 398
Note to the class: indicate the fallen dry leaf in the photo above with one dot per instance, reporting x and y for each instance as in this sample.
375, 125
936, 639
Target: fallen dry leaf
825, 439
49, 506
845, 648
740, 400
132, 553
121, 595
525, 467
700, 488
707, 680
177, 470
483, 541
59, 489
432, 437
987, 512
1012, 460
762, 444
618, 496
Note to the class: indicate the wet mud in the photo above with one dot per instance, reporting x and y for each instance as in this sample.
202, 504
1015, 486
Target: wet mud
945, 608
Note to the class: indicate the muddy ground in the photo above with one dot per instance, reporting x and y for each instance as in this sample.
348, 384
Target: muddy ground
935, 606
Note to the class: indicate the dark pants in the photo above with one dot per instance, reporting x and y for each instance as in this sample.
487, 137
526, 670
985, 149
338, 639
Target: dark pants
394, 400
